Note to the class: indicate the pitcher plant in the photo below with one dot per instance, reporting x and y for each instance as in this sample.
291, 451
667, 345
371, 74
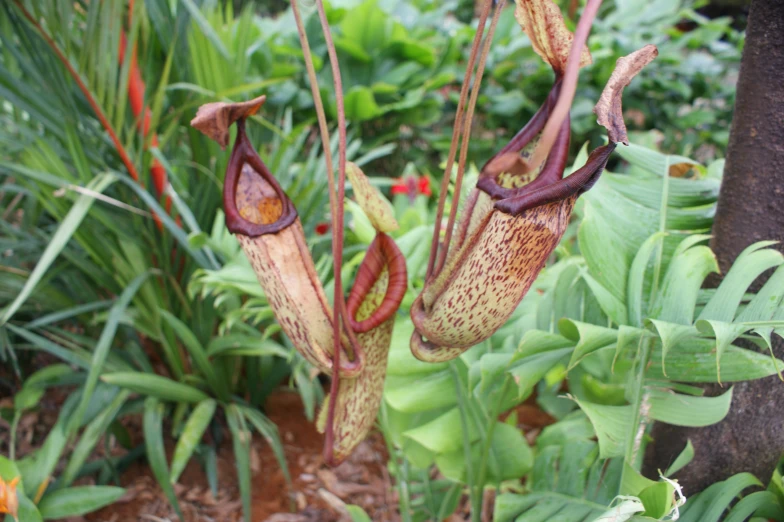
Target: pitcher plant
510, 224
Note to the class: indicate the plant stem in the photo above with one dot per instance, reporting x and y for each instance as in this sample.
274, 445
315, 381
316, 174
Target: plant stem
568, 87
461, 406
480, 70
450, 161
476, 505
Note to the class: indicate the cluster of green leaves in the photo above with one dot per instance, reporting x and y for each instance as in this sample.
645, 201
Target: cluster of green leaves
93, 281
621, 316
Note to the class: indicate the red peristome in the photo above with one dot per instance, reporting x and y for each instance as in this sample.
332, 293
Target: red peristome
244, 153
383, 252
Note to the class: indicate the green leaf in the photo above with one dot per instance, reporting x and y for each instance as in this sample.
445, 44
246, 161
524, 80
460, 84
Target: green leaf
725, 334
76, 501
589, 338
695, 361
357, 514
156, 453
752, 262
710, 504
754, 502
269, 431
682, 283
67, 227
191, 434
90, 437
671, 334
634, 288
657, 499
241, 438
611, 424
206, 28
101, 351
360, 104
198, 354
155, 386
684, 458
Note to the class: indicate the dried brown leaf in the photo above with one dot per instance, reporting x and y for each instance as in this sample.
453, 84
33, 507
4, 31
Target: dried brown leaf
214, 119
543, 22
608, 109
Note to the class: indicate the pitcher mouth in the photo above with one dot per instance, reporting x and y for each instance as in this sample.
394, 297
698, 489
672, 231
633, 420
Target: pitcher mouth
263, 207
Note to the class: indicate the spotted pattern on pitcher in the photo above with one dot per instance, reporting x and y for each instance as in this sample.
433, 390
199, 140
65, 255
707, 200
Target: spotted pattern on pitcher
494, 271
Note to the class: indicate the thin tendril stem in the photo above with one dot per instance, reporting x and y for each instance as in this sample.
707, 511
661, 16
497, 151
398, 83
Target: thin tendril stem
85, 91
568, 88
337, 227
456, 136
467, 135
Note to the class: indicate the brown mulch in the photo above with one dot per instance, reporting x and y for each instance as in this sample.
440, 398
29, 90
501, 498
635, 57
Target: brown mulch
318, 493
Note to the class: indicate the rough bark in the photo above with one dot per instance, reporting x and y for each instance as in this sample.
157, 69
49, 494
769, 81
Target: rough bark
751, 208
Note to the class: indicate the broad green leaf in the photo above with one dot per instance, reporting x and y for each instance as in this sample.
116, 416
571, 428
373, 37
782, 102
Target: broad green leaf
611, 424
752, 262
588, 337
612, 306
695, 361
681, 284
156, 453
684, 458
624, 510
657, 499
754, 502
191, 435
634, 288
78, 500
725, 334
67, 227
710, 504
443, 434
671, 334
155, 386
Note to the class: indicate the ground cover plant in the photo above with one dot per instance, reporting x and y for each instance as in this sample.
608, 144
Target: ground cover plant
152, 307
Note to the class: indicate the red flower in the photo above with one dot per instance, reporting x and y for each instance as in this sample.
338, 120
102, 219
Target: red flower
411, 186
423, 186
322, 228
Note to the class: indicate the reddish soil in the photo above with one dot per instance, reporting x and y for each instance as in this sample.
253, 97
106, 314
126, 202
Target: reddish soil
318, 493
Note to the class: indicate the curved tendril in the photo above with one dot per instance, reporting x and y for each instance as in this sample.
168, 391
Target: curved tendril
337, 227
450, 161
466, 136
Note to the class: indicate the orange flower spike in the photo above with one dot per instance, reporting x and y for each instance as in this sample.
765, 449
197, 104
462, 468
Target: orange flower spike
9, 499
514, 218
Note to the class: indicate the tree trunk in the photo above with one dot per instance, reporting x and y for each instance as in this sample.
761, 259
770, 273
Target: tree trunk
750, 209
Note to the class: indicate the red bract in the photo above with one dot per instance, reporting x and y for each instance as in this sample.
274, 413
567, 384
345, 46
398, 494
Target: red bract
412, 186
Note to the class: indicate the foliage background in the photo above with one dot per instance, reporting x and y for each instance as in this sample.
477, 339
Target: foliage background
153, 311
